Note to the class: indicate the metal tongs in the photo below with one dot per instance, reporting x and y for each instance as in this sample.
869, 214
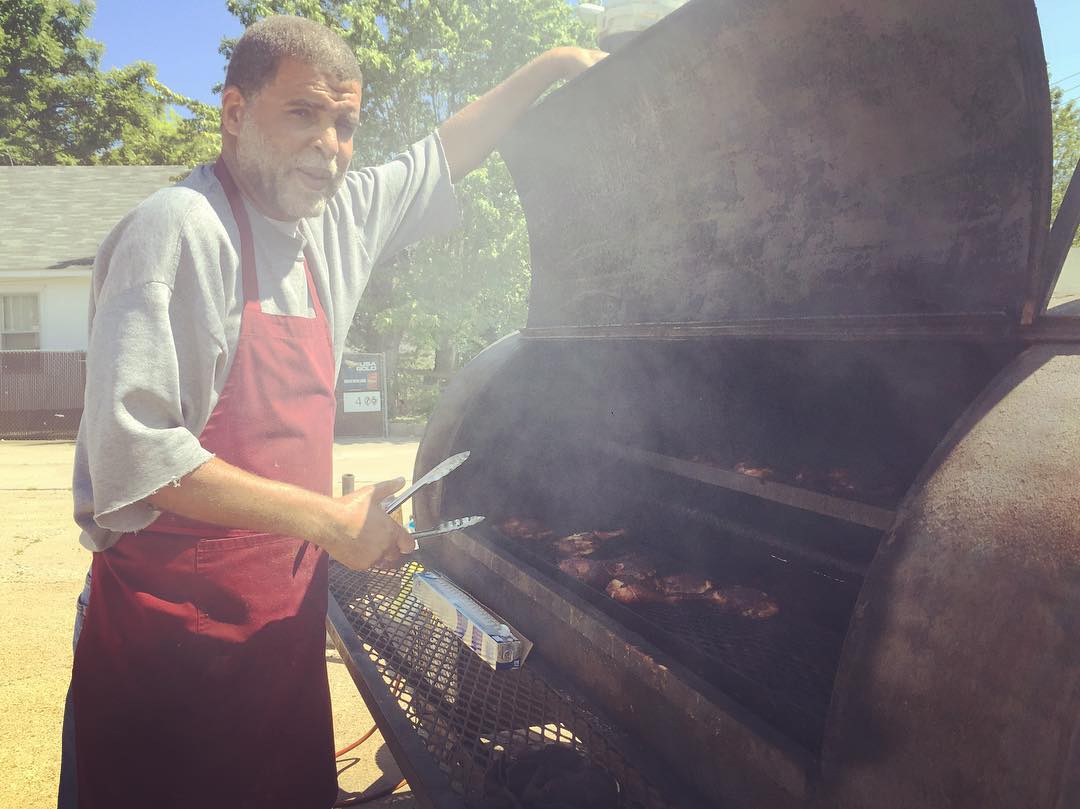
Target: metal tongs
437, 473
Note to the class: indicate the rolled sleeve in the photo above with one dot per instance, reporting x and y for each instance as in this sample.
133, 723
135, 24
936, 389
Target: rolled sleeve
135, 436
400, 202
156, 347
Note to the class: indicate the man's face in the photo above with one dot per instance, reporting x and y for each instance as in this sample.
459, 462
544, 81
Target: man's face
294, 139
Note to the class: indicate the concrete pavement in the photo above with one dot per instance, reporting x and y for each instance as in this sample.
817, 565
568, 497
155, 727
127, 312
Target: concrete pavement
41, 572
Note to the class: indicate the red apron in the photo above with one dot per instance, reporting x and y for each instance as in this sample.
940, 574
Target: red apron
200, 674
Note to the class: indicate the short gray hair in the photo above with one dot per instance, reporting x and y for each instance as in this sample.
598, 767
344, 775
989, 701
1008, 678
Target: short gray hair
257, 53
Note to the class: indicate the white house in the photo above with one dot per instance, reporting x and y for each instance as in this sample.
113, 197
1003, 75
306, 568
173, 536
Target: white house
54, 218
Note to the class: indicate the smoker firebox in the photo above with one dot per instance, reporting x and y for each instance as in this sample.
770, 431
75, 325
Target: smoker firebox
788, 329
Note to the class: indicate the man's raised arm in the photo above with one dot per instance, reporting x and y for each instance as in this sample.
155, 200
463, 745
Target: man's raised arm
471, 134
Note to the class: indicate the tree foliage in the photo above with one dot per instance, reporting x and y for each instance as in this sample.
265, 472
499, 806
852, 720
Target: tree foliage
423, 60
58, 107
1066, 123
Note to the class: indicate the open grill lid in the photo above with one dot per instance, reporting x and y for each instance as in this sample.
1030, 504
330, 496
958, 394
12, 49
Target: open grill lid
750, 159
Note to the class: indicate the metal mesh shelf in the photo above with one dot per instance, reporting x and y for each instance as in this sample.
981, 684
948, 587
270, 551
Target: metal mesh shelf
464, 715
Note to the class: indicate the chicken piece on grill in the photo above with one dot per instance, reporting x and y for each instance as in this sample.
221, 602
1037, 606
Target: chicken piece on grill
525, 528
598, 572
632, 567
590, 571
759, 472
633, 592
684, 584
585, 543
743, 601
577, 545
651, 591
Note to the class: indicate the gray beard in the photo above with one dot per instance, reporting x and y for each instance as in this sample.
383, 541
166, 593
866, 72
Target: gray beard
270, 173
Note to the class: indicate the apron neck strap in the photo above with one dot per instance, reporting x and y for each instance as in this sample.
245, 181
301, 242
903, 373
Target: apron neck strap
247, 242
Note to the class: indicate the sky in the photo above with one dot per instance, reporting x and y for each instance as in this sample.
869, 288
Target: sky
182, 39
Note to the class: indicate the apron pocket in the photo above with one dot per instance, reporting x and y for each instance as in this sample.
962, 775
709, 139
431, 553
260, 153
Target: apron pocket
206, 547
250, 585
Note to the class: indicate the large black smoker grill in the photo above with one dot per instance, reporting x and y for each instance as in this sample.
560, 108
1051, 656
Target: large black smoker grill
807, 235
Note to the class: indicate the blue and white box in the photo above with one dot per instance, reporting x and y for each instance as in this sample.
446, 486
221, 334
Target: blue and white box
497, 643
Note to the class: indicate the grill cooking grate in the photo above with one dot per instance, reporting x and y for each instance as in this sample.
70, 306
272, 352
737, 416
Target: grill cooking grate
782, 668
467, 714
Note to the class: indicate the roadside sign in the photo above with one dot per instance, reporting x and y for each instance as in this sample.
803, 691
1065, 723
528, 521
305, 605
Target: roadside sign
361, 409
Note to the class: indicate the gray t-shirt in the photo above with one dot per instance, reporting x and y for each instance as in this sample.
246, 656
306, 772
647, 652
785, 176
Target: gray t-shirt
165, 315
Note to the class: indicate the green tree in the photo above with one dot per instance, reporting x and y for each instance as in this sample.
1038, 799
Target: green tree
164, 137
1066, 123
58, 107
423, 60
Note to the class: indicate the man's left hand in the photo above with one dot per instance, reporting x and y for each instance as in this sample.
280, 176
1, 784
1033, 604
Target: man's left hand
469, 136
574, 61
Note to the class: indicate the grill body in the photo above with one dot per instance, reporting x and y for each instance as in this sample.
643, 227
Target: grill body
807, 238
930, 661
959, 680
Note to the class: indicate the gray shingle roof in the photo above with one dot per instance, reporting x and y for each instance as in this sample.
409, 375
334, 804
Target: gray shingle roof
54, 217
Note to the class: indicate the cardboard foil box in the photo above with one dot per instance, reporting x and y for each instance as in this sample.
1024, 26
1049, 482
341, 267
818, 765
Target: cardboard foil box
496, 642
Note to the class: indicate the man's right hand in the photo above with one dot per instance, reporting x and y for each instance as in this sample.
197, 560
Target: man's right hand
353, 529
360, 533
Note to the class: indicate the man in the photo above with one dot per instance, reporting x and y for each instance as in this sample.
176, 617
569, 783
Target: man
203, 465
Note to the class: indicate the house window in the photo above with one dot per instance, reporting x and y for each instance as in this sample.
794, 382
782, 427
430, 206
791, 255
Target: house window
20, 323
